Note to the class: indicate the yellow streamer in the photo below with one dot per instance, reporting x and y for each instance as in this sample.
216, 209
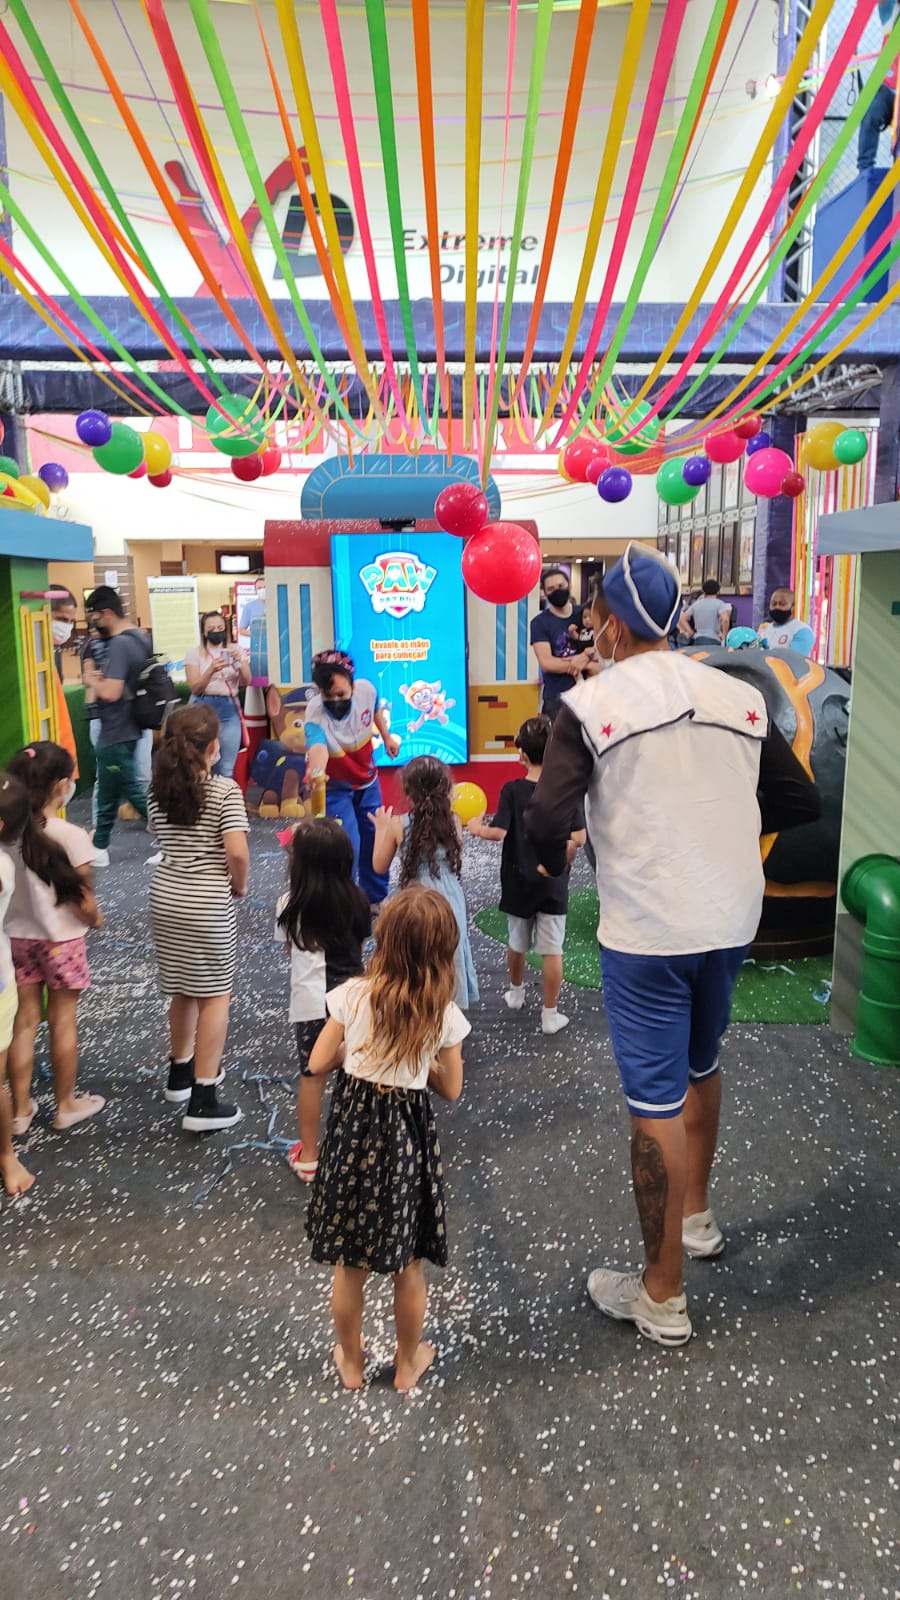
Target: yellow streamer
780, 109
615, 130
474, 86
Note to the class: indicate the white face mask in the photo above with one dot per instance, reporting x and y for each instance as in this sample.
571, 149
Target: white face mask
260, 594
605, 661
69, 795
61, 630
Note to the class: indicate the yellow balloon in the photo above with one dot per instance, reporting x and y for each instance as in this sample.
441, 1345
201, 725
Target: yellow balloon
157, 453
561, 469
468, 801
20, 494
37, 486
818, 446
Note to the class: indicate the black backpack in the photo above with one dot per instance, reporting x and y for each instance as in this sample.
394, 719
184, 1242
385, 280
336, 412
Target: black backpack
152, 690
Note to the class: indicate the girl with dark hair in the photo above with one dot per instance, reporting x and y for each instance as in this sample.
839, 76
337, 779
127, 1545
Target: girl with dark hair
340, 720
52, 907
15, 810
326, 919
215, 671
378, 1198
201, 823
429, 840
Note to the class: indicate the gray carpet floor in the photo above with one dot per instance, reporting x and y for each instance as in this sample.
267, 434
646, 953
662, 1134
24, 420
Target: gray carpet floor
170, 1424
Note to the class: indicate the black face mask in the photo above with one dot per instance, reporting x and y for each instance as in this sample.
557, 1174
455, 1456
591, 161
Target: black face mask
779, 615
216, 638
339, 709
101, 629
559, 597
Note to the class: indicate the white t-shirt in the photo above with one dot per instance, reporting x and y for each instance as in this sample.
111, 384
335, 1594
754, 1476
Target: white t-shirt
33, 912
227, 681
349, 1005
7, 880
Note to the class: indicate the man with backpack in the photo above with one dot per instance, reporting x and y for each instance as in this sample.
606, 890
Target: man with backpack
129, 701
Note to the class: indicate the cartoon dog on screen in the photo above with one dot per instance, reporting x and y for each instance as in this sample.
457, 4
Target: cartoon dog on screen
426, 702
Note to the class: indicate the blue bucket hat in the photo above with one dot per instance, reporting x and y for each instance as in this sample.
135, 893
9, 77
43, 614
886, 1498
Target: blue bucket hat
644, 591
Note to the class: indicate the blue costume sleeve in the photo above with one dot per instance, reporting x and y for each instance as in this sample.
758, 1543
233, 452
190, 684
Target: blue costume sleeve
804, 641
315, 735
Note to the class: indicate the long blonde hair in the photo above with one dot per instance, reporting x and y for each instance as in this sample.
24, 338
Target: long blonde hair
411, 979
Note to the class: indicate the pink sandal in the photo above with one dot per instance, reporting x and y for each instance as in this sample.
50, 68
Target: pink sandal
304, 1170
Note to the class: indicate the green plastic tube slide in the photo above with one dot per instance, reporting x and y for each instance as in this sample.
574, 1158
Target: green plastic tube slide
871, 893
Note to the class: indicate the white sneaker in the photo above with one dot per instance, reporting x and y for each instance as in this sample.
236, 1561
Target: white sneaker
515, 998
701, 1235
553, 1021
100, 858
153, 861
622, 1295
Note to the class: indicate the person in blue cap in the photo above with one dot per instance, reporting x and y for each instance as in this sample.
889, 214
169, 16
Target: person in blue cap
681, 771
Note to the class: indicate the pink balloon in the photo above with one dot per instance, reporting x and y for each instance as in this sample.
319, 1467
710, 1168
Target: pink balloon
140, 471
765, 472
502, 563
160, 480
600, 460
724, 447
461, 509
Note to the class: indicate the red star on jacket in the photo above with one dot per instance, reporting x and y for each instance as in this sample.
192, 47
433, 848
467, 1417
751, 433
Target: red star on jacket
606, 730
753, 718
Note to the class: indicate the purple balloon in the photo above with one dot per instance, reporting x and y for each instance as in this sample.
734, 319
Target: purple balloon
696, 471
93, 428
761, 441
54, 476
614, 485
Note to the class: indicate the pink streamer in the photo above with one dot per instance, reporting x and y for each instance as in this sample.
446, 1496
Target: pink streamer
673, 18
495, 321
332, 30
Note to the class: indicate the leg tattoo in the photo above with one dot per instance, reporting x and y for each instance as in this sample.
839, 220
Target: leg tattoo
651, 1189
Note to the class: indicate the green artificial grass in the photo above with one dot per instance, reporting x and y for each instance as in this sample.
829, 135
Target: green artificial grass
766, 991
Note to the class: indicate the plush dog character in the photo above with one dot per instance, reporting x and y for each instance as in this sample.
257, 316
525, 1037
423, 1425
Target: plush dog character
280, 764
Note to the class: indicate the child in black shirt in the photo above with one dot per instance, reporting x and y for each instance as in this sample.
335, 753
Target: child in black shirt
535, 905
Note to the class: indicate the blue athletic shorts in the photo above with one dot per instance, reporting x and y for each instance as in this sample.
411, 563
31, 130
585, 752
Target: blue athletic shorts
666, 1017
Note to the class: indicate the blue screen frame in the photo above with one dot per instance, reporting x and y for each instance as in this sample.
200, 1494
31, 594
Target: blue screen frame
403, 620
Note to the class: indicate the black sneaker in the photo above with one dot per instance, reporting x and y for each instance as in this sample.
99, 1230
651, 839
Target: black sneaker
181, 1081
205, 1114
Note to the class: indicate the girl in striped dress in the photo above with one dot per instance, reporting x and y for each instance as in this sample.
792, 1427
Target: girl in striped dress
201, 824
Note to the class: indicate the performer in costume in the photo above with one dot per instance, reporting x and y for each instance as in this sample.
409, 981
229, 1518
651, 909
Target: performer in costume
682, 772
339, 723
784, 631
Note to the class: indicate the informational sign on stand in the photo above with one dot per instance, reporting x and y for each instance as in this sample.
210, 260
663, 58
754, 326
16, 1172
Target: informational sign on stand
174, 617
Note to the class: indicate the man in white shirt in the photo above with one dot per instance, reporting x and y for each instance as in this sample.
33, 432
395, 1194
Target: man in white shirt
681, 772
784, 631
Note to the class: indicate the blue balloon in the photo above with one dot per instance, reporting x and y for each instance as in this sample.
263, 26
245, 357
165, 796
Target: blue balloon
762, 441
614, 485
93, 428
54, 476
696, 471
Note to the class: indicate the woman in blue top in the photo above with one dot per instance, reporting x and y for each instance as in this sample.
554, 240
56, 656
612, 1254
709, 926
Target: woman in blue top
339, 723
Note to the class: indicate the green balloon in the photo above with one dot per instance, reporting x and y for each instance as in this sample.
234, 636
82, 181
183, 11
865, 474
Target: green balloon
641, 441
242, 432
123, 451
9, 466
850, 446
671, 487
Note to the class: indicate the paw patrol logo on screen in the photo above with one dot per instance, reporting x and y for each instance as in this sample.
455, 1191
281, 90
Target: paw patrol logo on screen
397, 583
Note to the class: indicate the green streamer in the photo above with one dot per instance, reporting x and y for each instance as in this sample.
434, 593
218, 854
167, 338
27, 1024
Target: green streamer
664, 197
212, 49
84, 305
888, 54
35, 44
384, 106
532, 109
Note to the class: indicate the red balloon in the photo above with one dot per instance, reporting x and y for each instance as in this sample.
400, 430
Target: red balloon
724, 447
461, 509
748, 426
600, 460
793, 484
578, 456
271, 460
502, 563
247, 468
140, 471
160, 480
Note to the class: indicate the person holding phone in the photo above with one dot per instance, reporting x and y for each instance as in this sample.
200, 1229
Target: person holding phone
215, 671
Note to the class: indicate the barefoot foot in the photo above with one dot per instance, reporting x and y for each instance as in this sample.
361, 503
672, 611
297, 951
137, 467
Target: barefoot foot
78, 1109
350, 1369
408, 1375
16, 1178
21, 1125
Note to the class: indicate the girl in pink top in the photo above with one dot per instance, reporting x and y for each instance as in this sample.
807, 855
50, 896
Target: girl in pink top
53, 905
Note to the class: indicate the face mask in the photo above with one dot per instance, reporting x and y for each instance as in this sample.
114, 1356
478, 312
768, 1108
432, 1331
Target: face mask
260, 594
605, 661
218, 637
339, 709
779, 615
61, 631
69, 794
559, 597
101, 629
